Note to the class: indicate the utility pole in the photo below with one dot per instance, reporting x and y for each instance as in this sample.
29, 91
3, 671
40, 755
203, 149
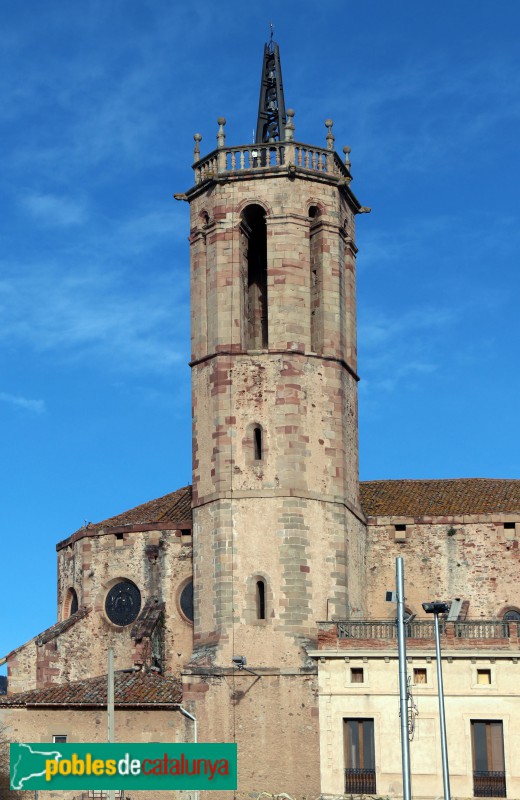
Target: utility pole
186, 713
403, 678
110, 707
436, 608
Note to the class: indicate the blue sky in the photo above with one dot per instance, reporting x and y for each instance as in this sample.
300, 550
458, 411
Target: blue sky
100, 104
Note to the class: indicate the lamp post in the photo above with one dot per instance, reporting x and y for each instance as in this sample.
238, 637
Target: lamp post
436, 608
399, 598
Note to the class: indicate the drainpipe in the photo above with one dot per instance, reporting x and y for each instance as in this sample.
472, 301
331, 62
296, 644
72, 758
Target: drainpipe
195, 740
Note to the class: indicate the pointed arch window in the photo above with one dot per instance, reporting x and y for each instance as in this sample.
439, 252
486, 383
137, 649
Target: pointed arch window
255, 252
316, 280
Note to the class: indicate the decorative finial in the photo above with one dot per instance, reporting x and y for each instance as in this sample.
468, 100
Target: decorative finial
289, 126
346, 150
330, 136
221, 135
196, 149
271, 27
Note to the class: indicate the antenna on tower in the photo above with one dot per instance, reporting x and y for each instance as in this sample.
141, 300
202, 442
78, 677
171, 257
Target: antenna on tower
270, 126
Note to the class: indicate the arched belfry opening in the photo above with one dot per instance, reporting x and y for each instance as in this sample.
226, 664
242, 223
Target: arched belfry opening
254, 253
316, 279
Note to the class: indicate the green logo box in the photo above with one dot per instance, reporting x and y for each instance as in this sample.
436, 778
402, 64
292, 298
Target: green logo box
123, 766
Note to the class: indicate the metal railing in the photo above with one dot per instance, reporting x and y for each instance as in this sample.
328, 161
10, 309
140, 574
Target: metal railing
360, 781
489, 784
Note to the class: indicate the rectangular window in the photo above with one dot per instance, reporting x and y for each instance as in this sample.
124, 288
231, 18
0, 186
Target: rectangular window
356, 675
360, 768
59, 738
489, 777
419, 675
101, 794
483, 677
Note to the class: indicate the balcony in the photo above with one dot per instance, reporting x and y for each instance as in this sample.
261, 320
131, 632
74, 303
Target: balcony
379, 634
361, 781
275, 156
489, 784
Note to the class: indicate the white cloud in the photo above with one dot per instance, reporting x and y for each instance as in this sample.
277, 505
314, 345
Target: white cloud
26, 403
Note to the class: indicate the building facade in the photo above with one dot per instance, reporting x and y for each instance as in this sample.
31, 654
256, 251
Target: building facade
257, 593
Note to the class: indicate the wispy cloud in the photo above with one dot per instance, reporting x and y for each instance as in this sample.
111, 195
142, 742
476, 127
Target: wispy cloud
51, 209
423, 112
25, 403
400, 348
113, 318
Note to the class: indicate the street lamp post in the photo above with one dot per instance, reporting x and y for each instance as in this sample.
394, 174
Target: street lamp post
437, 608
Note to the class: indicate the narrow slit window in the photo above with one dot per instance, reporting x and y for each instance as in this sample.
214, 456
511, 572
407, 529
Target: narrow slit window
257, 436
260, 600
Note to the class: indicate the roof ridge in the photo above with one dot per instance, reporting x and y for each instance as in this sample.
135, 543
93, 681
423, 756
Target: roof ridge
438, 480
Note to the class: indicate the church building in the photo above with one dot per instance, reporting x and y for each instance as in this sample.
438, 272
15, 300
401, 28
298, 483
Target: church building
254, 599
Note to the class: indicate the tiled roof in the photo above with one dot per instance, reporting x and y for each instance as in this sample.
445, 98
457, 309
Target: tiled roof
174, 507
393, 498
130, 689
414, 498
61, 627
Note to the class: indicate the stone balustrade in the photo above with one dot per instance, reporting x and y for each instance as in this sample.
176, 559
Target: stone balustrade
286, 155
383, 633
267, 157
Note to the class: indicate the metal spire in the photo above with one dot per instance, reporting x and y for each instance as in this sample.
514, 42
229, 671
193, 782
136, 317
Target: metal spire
270, 126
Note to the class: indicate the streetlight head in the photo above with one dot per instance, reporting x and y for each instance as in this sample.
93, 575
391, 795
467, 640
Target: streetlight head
437, 607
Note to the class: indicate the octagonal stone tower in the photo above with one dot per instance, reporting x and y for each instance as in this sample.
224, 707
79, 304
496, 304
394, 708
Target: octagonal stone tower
278, 530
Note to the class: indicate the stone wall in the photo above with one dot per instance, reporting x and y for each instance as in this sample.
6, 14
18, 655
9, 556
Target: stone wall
273, 718
90, 725
474, 558
159, 562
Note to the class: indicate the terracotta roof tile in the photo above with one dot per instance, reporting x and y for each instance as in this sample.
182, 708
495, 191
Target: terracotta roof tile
391, 498
130, 689
414, 498
61, 627
174, 507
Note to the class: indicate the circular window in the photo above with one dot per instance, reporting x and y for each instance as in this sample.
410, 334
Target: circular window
123, 603
186, 601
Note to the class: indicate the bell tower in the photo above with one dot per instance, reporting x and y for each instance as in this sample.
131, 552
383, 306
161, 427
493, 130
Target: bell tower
278, 530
